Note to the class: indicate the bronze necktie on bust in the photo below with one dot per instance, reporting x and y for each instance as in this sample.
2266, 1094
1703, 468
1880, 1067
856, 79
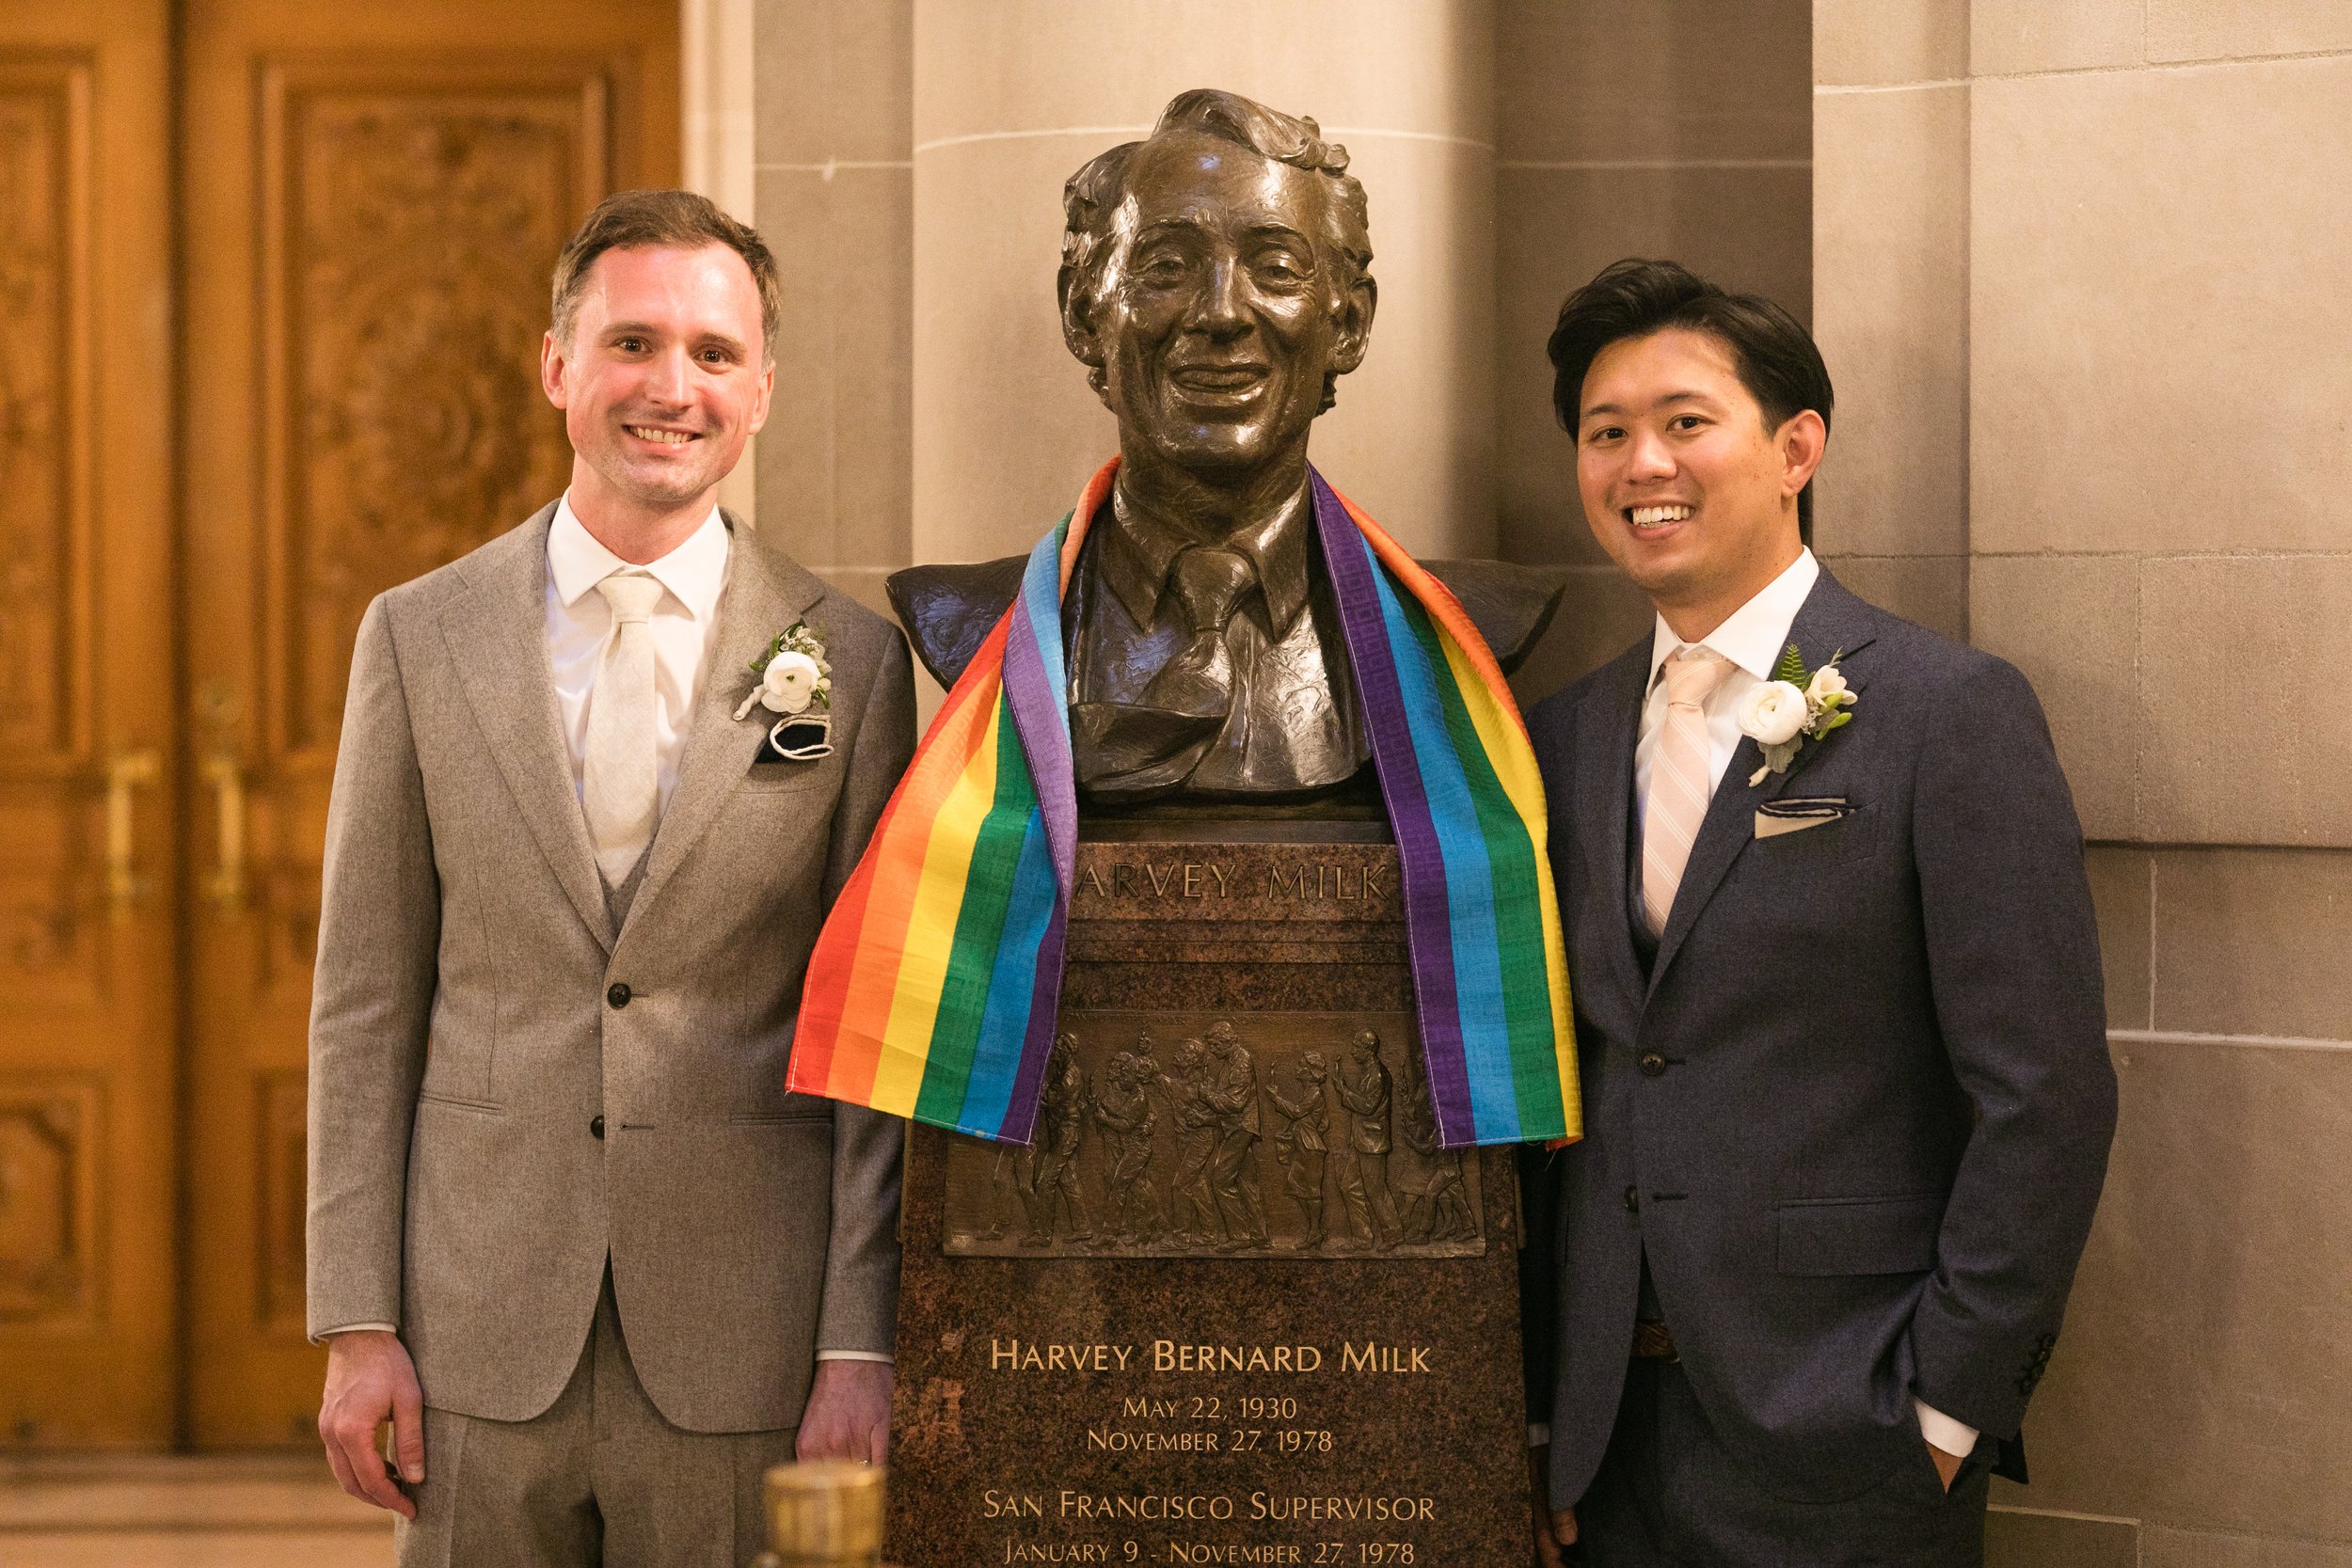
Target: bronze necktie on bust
1198, 682
1152, 744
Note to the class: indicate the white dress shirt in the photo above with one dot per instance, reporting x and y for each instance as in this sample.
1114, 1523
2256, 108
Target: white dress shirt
1753, 638
579, 623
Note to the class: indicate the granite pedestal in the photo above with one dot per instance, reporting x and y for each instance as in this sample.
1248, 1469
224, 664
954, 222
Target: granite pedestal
1234, 1305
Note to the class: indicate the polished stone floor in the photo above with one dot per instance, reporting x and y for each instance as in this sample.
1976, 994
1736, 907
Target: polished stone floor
214, 1511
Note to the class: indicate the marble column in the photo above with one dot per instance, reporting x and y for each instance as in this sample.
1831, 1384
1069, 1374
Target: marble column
716, 88
832, 175
1010, 97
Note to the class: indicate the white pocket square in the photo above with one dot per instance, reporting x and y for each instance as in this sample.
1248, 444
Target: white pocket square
1794, 817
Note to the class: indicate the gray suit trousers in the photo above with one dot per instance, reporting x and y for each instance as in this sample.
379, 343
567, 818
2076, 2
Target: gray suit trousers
599, 1478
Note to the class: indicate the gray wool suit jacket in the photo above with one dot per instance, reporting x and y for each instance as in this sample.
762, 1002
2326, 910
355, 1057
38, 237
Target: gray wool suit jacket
492, 1116
1855, 1104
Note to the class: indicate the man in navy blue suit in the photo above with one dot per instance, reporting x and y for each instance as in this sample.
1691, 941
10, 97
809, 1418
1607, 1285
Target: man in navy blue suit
1838, 1003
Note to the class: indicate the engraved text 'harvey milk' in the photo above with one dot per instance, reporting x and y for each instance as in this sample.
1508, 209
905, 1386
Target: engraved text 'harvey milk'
1175, 879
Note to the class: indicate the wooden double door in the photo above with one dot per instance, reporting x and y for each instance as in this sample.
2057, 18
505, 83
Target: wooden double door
273, 276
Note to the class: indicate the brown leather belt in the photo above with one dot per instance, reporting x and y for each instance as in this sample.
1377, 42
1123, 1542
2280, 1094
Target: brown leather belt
1652, 1341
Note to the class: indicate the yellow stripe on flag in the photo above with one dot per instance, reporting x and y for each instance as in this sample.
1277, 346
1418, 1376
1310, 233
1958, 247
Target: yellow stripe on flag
1513, 762
1503, 732
894, 861
931, 931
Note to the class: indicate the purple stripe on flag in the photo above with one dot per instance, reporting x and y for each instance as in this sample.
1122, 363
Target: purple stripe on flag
1034, 705
1034, 700
1427, 928
1036, 1044
1037, 697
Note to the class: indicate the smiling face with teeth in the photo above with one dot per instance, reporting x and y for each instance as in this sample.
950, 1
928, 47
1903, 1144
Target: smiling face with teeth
662, 381
1219, 315
1684, 482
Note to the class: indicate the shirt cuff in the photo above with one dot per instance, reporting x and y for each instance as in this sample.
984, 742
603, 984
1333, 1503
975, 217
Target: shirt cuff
1538, 1435
326, 1334
1955, 1438
882, 1356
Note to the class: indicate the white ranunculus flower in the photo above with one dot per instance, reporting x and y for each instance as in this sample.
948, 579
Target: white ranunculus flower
1827, 682
788, 683
1772, 713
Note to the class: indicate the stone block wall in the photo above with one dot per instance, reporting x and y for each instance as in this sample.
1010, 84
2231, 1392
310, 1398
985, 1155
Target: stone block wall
909, 157
2078, 273
833, 165
1678, 129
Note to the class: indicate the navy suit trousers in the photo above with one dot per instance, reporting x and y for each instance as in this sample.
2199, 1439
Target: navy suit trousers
1670, 1495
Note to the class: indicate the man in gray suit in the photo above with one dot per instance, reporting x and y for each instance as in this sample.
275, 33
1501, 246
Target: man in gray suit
1838, 1001
567, 1231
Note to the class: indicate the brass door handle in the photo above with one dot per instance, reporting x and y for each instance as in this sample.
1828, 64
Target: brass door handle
222, 771
125, 772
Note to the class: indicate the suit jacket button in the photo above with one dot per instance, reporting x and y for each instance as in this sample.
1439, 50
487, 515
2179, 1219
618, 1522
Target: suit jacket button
1652, 1064
596, 1127
1632, 1201
619, 994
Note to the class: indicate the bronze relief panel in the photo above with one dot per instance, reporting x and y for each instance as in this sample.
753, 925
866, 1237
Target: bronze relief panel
1197, 1135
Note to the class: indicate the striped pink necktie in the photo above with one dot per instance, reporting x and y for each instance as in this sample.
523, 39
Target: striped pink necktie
1681, 779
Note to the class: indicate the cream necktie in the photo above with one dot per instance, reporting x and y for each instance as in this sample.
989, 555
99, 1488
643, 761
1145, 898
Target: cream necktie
620, 785
1680, 780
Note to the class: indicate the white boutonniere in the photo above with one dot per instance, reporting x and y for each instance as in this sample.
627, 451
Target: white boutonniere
792, 676
790, 673
1795, 704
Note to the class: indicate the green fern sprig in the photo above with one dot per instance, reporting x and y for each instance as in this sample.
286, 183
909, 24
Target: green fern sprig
1791, 669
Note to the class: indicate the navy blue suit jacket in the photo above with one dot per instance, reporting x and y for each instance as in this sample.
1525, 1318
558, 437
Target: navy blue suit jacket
1855, 1106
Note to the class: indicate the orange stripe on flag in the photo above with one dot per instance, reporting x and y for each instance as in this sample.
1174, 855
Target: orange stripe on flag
893, 867
1440, 601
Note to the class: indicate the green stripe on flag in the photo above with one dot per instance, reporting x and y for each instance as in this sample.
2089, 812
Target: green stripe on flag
1518, 912
979, 929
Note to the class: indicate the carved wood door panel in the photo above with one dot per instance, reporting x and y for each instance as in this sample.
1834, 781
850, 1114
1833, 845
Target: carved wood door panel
374, 196
88, 1033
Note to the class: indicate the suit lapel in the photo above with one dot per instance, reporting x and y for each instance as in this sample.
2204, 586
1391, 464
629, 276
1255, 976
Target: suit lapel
1831, 621
1612, 726
765, 594
498, 639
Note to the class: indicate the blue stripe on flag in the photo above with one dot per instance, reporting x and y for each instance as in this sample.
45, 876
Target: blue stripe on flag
1470, 882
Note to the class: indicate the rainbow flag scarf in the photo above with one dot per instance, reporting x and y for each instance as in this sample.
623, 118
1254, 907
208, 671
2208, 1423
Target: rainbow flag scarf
933, 987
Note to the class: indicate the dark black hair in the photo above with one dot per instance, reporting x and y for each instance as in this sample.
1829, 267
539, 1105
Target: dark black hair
1773, 353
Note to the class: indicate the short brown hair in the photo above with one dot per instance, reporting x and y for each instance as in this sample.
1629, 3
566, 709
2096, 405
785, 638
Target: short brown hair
627, 219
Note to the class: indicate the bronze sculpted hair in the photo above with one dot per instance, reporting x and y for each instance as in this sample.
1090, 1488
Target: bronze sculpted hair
1776, 358
627, 219
1091, 195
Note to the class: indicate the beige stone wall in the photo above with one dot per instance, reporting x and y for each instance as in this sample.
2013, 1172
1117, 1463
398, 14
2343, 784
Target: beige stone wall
2079, 275
1677, 129
909, 166
715, 100
835, 180
1011, 96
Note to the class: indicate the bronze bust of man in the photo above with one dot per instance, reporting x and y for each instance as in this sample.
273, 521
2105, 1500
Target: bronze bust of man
1216, 283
